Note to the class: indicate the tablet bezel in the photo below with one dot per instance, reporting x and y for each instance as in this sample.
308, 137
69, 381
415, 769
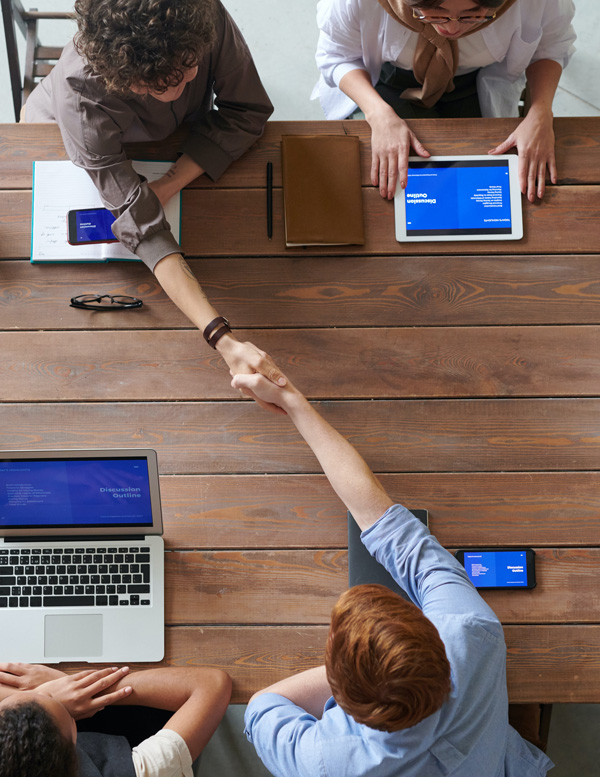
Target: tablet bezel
516, 209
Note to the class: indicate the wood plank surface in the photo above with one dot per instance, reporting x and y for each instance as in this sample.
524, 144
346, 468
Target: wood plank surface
370, 363
316, 291
567, 221
465, 373
301, 586
302, 511
545, 663
394, 436
577, 147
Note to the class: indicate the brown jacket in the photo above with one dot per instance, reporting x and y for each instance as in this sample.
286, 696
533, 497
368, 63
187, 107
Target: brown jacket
95, 125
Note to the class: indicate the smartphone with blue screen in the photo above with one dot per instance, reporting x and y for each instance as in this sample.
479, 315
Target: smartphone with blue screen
90, 225
499, 567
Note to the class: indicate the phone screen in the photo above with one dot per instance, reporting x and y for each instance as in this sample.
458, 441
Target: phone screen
499, 568
92, 225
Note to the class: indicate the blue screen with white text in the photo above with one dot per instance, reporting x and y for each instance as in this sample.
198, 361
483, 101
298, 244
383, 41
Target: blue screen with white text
52, 493
458, 198
491, 569
94, 225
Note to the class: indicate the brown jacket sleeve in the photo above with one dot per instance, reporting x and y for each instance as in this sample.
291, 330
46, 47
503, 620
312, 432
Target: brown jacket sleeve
221, 136
94, 125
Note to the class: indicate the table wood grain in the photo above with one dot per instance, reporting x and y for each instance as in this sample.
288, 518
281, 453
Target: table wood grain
465, 373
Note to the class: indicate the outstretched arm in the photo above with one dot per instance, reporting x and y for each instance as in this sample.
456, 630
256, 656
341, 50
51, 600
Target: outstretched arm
345, 468
179, 282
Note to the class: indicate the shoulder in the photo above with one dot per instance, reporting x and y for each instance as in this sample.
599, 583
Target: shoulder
349, 11
285, 736
536, 10
163, 753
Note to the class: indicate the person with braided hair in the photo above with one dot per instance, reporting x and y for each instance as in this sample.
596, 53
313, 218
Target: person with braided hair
403, 59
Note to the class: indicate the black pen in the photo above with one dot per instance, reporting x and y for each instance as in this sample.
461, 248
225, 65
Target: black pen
269, 200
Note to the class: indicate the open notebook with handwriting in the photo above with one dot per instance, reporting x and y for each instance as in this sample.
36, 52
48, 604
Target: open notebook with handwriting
59, 187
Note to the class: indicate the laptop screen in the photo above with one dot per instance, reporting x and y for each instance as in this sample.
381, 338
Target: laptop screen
63, 492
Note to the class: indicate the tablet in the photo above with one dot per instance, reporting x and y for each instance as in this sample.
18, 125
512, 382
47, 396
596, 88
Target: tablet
460, 198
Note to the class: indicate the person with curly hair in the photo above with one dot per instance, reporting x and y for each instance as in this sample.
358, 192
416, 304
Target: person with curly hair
39, 706
419, 59
135, 71
409, 688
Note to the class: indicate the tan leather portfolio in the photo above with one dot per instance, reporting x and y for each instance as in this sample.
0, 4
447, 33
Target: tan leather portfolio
321, 190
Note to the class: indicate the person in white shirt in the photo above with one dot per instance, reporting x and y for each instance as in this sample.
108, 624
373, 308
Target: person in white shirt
39, 706
368, 48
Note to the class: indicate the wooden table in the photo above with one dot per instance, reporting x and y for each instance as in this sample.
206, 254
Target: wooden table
468, 375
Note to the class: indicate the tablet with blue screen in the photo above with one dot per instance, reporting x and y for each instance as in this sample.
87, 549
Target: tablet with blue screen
460, 198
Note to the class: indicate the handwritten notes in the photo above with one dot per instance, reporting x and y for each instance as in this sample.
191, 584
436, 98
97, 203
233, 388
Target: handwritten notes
59, 187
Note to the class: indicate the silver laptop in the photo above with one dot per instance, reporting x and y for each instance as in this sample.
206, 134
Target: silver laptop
81, 556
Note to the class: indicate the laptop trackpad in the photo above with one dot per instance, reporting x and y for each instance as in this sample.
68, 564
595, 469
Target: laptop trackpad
72, 635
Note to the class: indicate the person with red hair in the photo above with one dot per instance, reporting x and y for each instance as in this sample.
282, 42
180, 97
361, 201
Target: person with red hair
408, 689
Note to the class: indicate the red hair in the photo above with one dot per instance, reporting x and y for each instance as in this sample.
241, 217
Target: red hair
385, 661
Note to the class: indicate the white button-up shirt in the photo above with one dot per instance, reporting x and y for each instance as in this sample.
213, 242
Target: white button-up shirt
360, 34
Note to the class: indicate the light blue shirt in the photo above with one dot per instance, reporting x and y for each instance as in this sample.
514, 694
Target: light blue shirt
468, 736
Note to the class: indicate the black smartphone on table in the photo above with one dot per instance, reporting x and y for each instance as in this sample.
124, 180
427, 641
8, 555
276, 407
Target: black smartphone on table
499, 567
90, 225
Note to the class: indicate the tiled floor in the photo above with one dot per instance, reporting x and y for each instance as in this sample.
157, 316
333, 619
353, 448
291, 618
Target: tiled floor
282, 36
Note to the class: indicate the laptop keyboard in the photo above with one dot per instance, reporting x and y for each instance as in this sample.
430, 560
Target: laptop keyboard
75, 576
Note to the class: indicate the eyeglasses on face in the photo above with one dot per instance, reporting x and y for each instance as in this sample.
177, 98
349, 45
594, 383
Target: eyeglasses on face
428, 19
105, 302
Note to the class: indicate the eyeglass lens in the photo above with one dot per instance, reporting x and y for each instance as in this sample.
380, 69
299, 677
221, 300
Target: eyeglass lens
445, 19
106, 300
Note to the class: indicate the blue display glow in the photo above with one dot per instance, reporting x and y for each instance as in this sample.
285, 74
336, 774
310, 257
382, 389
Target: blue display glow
61, 492
458, 198
493, 569
94, 226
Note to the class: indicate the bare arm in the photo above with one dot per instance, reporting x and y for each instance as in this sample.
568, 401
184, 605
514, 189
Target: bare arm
197, 696
177, 177
309, 690
534, 137
176, 278
391, 138
345, 468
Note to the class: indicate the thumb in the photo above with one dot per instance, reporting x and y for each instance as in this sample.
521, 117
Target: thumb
508, 143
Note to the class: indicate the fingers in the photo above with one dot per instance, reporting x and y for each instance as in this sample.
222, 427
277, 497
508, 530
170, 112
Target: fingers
418, 146
14, 667
522, 174
531, 180
541, 179
265, 366
272, 408
374, 170
388, 176
102, 679
244, 383
552, 169
10, 679
103, 701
